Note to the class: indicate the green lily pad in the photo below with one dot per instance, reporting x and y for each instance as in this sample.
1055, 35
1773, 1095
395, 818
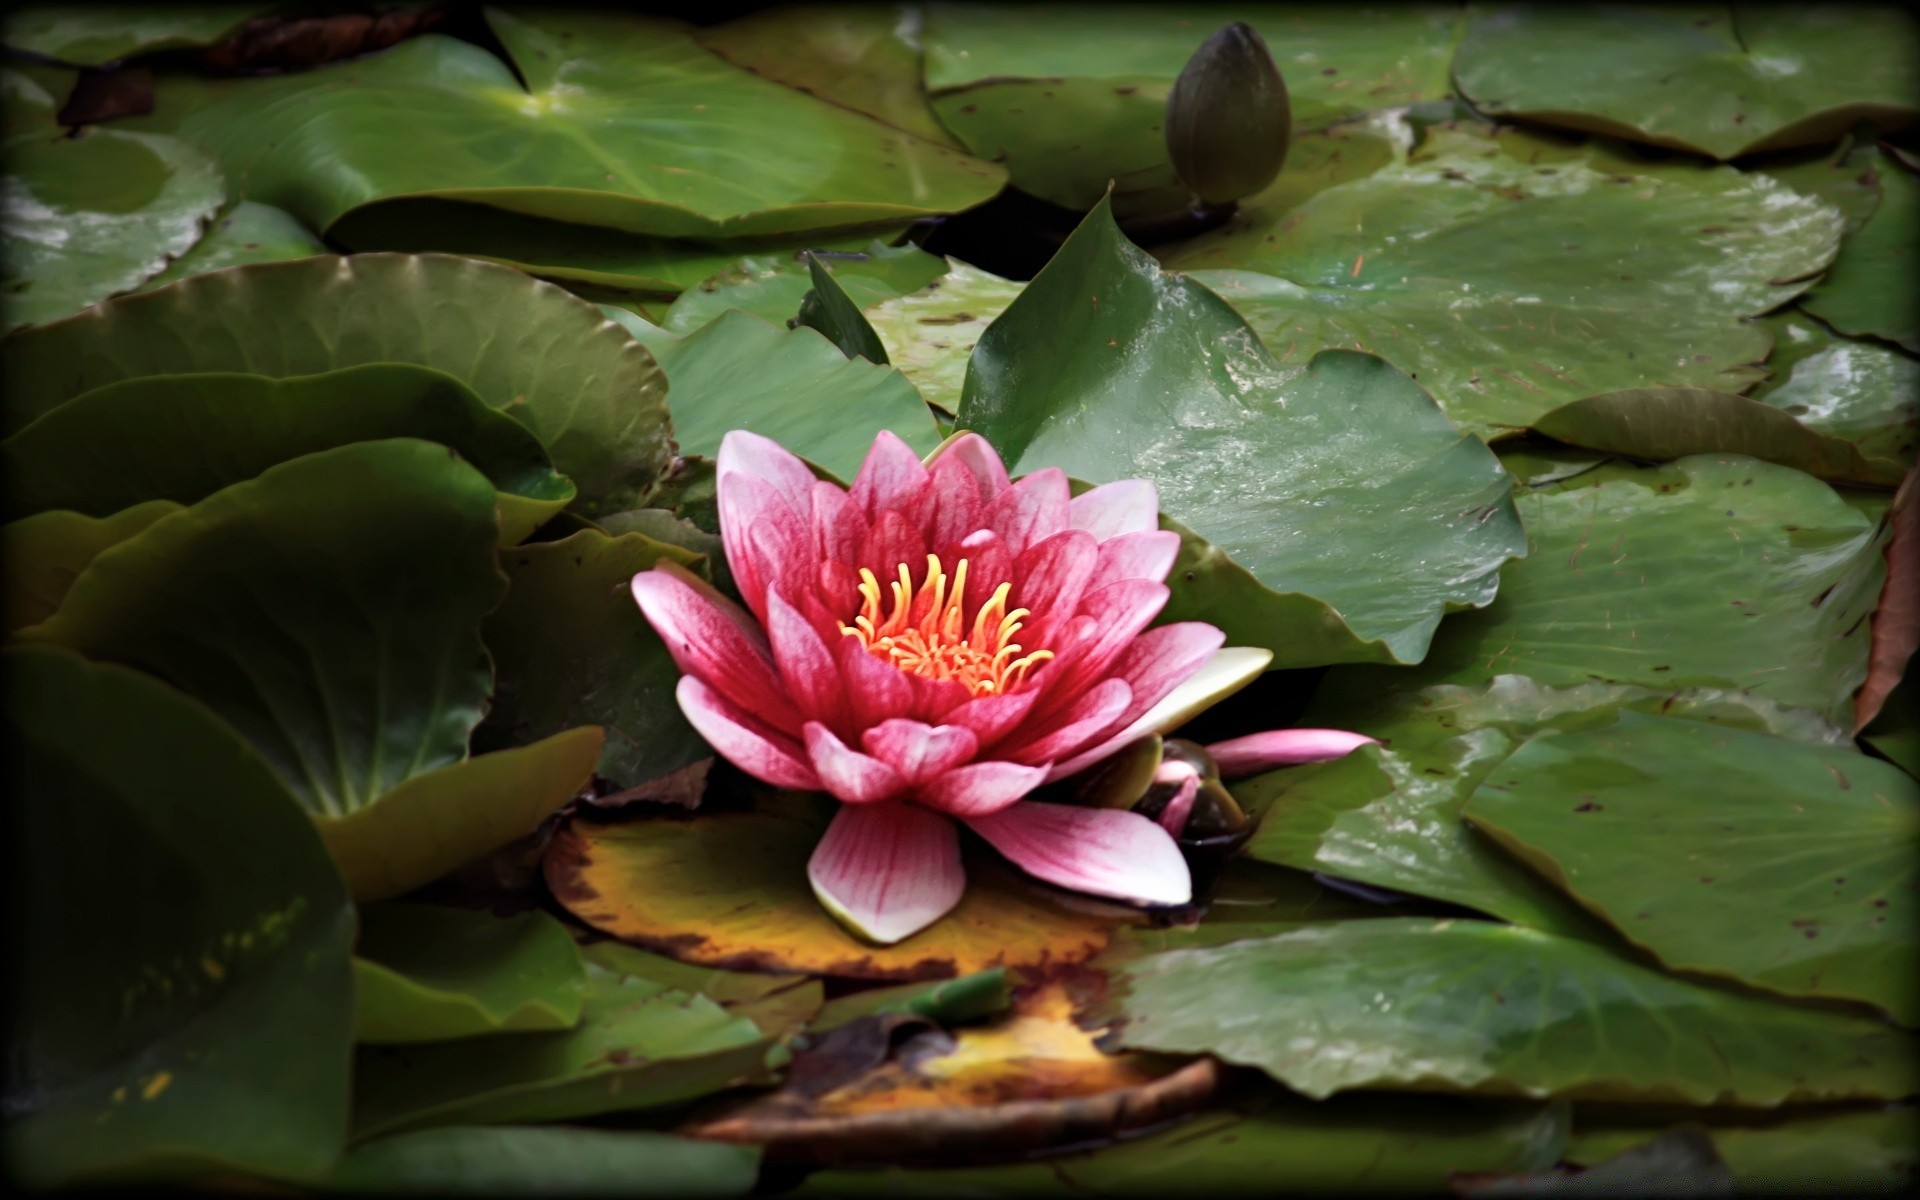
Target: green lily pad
780, 1004
1509, 279
792, 385
1669, 423
946, 1001
771, 286
930, 334
44, 554
549, 360
96, 34
1069, 104
86, 217
570, 648
1846, 176
1720, 81
1341, 513
590, 255
184, 437
1713, 571
1722, 852
1477, 1006
240, 601
1263, 1145
624, 121
208, 1026
245, 233
430, 974
639, 1045
1870, 290
1845, 1152
1389, 815
491, 1161
828, 310
1861, 391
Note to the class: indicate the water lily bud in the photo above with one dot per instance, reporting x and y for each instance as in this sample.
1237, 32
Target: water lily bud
1228, 119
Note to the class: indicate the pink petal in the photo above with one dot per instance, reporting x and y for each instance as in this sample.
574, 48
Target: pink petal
1052, 574
988, 563
710, 638
1032, 509
839, 529
980, 788
889, 478
951, 506
1282, 748
919, 751
1129, 506
888, 870
736, 736
991, 718
892, 541
744, 454
1094, 713
761, 536
1162, 659
982, 459
806, 664
1118, 612
1173, 818
1100, 851
876, 691
1145, 555
851, 776
1223, 673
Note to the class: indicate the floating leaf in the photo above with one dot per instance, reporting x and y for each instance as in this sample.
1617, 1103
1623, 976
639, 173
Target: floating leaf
930, 334
781, 1005
1477, 1006
1069, 104
208, 1025
1509, 280
491, 1161
429, 974
948, 1002
1861, 391
1870, 290
730, 890
771, 286
550, 360
44, 554
238, 601
831, 312
638, 1045
97, 34
1832, 1152
1723, 852
184, 437
1344, 513
624, 122
87, 217
1715, 80
245, 233
791, 385
571, 648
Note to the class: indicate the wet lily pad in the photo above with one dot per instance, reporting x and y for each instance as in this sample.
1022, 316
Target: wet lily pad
771, 286
192, 1037
1723, 852
1870, 290
428, 973
1720, 81
45, 553
1509, 280
96, 34
486, 1160
1482, 1007
730, 890
930, 334
623, 121
1322, 527
244, 233
550, 360
1858, 390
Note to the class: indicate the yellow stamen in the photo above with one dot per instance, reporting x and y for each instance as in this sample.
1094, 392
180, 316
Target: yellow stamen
927, 632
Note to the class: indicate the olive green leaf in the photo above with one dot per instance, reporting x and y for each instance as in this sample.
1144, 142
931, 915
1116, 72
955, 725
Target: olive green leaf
245, 233
1717, 80
1871, 288
1341, 513
623, 121
184, 437
929, 334
207, 1027
484, 1160
772, 285
329, 609
93, 35
1723, 852
780, 1004
1855, 1151
828, 310
42, 555
549, 360
570, 648
1509, 280
1477, 1006
639, 1044
947, 1001
86, 217
1860, 391
429, 974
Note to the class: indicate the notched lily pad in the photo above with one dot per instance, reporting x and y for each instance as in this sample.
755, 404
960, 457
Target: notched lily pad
428, 973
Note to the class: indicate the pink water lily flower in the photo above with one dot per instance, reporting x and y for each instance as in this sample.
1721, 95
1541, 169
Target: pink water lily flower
930, 645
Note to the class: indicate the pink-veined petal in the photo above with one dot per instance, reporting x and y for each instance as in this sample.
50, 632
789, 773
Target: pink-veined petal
1095, 712
839, 528
892, 541
1224, 672
1052, 574
919, 751
1119, 612
775, 551
991, 718
1148, 554
710, 638
980, 788
889, 478
736, 736
1258, 752
851, 776
988, 562
876, 691
950, 507
1162, 659
748, 455
1113, 509
887, 870
1034, 508
1173, 818
981, 458
1100, 851
806, 664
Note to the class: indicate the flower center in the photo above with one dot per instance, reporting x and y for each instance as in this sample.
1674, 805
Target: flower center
927, 633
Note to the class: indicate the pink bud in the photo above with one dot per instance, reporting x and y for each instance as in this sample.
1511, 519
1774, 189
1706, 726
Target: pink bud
1282, 748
